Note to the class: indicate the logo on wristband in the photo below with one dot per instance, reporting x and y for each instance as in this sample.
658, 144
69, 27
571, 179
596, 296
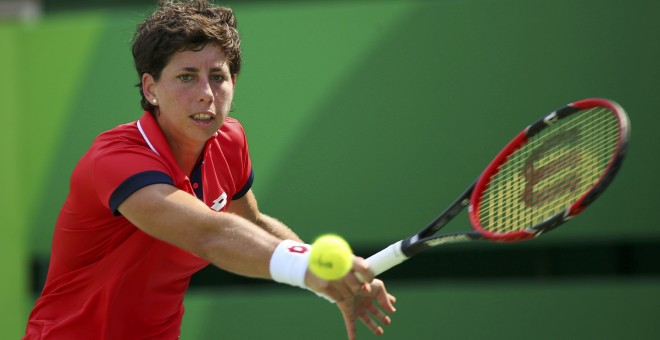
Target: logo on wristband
298, 249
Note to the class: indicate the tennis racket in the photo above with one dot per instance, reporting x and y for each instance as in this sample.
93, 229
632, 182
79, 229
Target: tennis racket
545, 176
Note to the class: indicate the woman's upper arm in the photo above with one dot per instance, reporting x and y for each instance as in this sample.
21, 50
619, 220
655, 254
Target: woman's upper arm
246, 207
164, 212
178, 218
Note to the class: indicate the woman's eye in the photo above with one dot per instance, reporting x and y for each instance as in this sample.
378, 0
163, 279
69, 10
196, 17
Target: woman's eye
217, 77
186, 77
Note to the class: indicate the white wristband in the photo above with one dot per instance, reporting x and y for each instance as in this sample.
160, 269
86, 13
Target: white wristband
289, 261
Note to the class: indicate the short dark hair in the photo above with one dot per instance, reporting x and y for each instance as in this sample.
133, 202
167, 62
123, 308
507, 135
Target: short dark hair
178, 26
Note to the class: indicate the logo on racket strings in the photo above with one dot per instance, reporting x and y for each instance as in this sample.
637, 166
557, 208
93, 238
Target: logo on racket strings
551, 169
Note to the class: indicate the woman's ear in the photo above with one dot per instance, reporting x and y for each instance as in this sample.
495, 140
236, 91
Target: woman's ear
148, 87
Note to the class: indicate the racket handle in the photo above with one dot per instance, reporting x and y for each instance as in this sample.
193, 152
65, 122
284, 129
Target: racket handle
386, 258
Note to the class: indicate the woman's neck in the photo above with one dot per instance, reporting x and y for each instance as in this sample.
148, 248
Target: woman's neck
186, 156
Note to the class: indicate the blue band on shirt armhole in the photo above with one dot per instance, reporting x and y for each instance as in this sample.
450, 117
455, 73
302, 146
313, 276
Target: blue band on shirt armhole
245, 188
135, 183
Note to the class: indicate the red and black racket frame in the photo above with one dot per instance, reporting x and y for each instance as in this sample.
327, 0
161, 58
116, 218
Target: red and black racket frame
472, 196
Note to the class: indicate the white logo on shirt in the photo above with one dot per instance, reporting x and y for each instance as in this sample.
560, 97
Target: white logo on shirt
220, 202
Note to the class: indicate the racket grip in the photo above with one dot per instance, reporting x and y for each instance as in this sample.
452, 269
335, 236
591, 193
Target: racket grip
386, 258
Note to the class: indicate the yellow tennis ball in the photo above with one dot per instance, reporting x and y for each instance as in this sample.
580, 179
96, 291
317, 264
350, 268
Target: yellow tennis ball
331, 257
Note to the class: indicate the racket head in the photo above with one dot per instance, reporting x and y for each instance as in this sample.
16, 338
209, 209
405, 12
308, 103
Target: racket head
551, 171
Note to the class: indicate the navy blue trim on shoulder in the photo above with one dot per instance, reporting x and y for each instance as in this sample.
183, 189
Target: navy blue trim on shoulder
245, 188
135, 183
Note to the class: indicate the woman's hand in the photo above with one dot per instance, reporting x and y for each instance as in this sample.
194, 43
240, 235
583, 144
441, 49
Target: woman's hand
365, 299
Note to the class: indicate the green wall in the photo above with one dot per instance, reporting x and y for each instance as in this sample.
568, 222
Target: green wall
512, 310
364, 118
13, 245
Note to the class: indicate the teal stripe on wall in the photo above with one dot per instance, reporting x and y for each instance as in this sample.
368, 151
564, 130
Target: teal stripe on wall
13, 243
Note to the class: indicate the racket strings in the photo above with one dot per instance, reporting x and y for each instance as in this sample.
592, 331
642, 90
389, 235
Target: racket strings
550, 172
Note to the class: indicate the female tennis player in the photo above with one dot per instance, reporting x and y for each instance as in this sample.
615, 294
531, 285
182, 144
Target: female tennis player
155, 200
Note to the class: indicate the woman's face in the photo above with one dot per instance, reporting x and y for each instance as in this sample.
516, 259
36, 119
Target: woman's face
194, 95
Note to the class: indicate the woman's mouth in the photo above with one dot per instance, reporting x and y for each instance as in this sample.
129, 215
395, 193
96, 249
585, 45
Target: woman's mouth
203, 116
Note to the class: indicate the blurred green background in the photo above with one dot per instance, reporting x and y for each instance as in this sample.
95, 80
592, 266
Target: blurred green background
366, 118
